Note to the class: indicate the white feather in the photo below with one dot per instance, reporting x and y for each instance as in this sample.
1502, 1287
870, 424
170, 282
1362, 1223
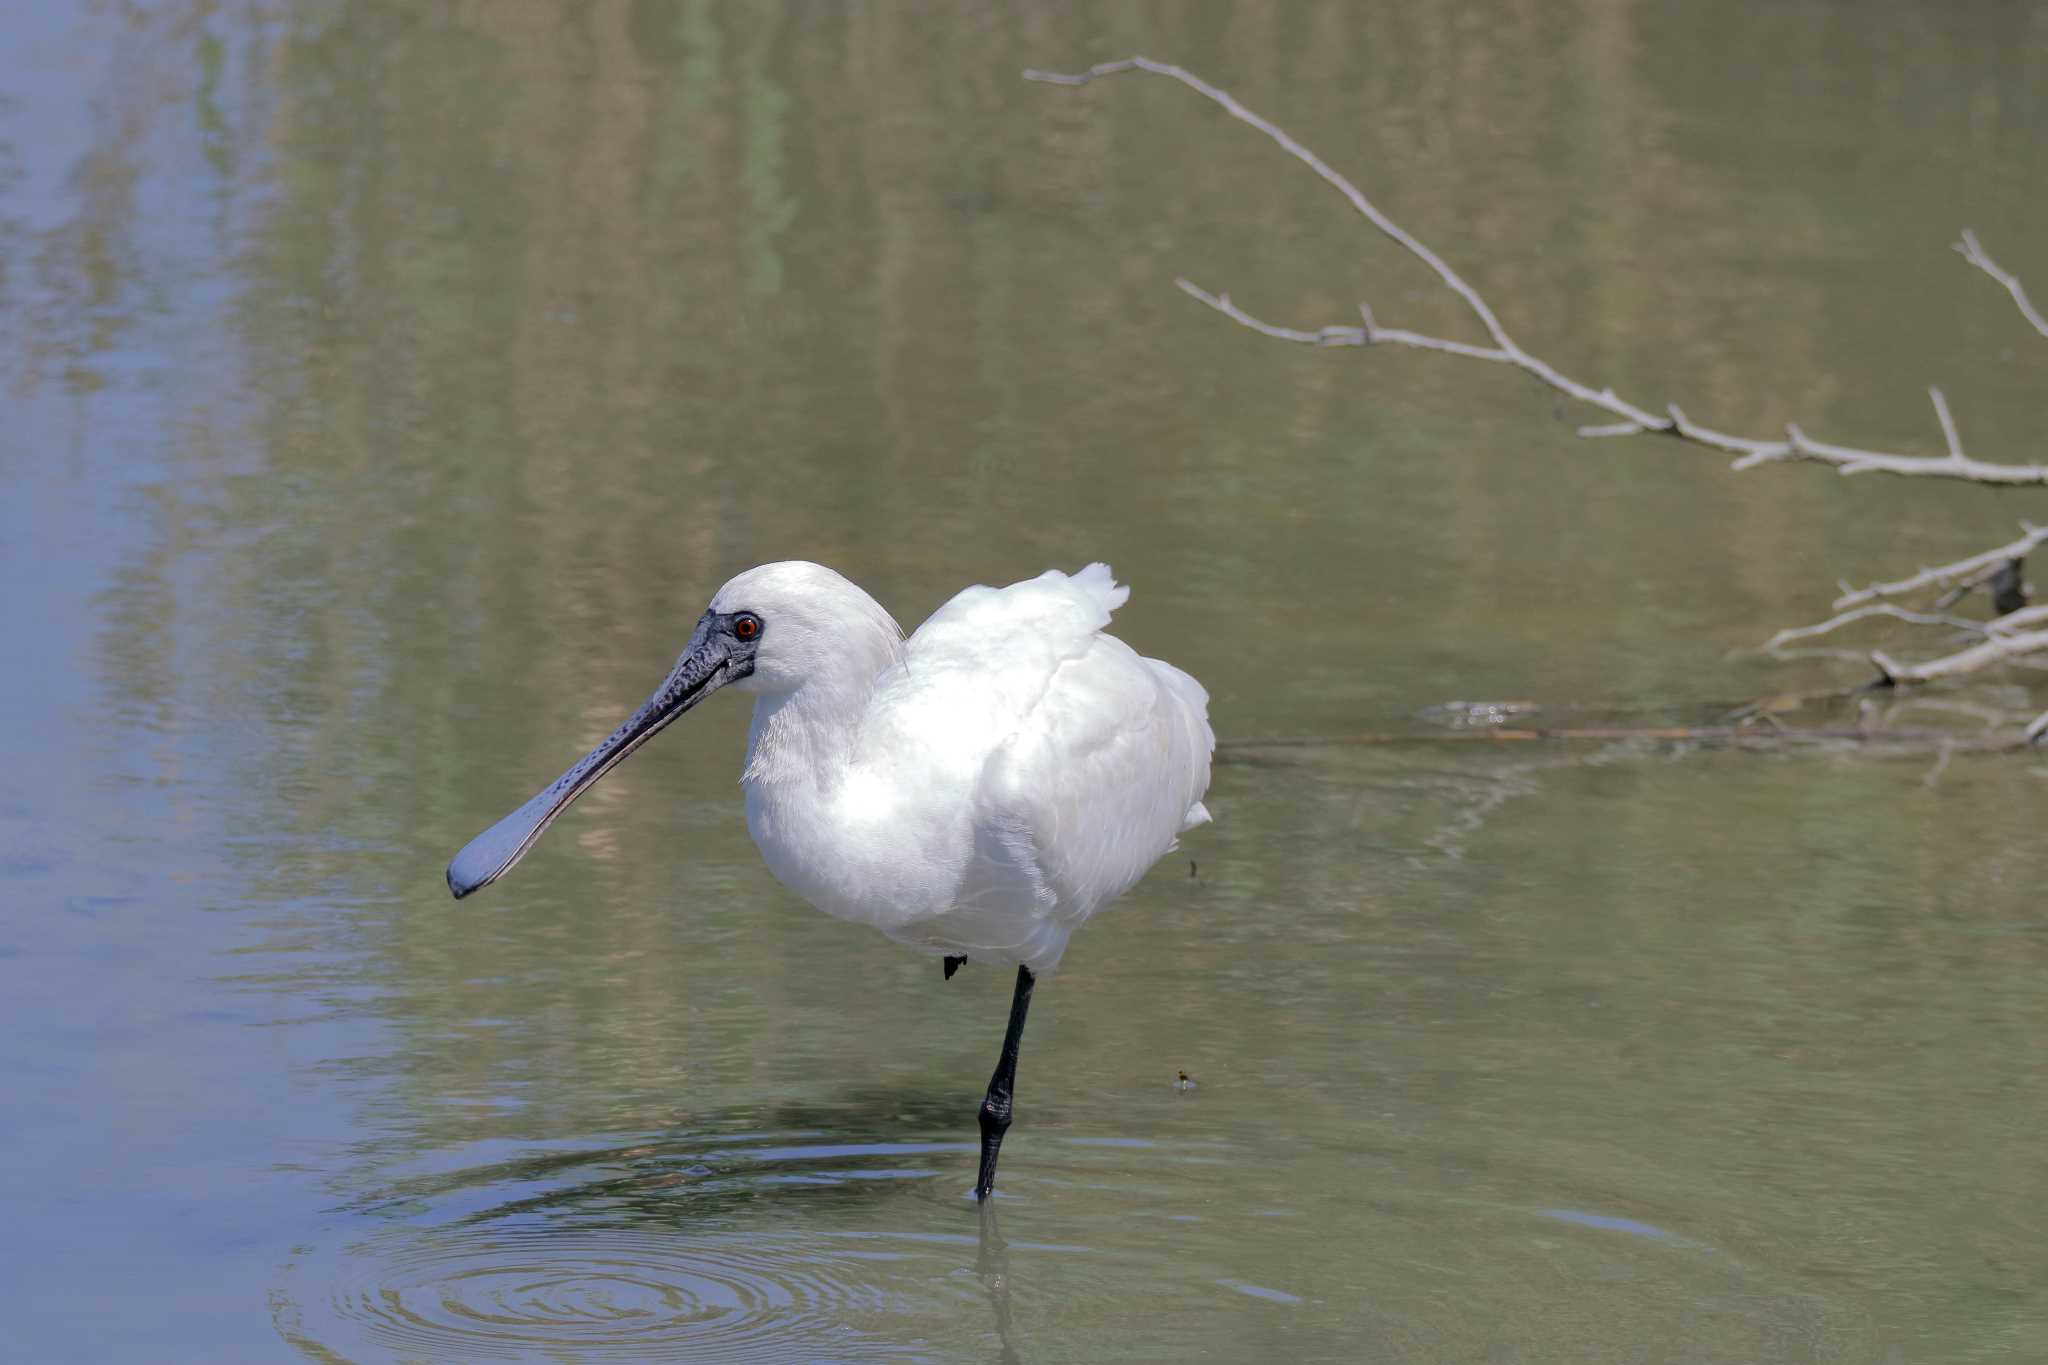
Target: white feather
980, 789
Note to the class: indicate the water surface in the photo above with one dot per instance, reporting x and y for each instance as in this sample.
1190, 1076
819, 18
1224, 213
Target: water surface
388, 386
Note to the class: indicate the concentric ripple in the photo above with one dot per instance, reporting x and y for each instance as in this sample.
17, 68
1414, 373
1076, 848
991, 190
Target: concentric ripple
736, 1241
620, 1294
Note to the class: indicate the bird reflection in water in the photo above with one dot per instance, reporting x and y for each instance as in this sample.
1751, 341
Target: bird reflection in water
992, 1264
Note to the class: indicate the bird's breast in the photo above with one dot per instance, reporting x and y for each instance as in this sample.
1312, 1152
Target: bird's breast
860, 852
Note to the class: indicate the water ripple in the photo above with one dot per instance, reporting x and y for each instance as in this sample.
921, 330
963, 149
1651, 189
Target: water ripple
739, 1240
616, 1294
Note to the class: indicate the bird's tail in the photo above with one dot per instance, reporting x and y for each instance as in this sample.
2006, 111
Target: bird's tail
1099, 583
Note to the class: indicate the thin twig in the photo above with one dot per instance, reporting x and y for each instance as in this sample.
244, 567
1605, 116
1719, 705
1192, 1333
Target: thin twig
1973, 252
1372, 334
1948, 424
1308, 158
1963, 586
1946, 573
1796, 445
1897, 613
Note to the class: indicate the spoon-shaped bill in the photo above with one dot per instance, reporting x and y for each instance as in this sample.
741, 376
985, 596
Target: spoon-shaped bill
701, 670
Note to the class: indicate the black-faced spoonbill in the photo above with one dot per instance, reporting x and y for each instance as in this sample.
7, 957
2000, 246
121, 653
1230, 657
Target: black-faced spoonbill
976, 791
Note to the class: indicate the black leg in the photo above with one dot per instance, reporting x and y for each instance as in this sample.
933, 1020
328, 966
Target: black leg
995, 1106
954, 964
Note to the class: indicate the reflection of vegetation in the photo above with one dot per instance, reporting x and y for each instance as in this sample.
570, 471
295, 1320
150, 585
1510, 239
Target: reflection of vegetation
213, 126
78, 286
82, 301
771, 208
11, 228
697, 26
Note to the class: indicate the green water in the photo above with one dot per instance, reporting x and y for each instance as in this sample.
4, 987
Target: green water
388, 386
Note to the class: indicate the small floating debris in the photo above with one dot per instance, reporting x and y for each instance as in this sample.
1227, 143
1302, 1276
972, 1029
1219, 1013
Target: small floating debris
1478, 715
1184, 1082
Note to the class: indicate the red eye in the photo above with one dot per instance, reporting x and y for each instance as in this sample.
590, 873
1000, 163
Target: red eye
746, 628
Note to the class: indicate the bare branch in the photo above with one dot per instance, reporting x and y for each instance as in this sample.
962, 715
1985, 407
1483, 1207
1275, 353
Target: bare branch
2013, 620
1851, 460
1327, 336
2016, 637
1834, 623
1946, 573
1997, 649
1372, 334
1750, 452
1973, 252
1962, 587
1308, 158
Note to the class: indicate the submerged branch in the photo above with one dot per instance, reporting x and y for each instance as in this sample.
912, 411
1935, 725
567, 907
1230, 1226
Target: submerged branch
1918, 737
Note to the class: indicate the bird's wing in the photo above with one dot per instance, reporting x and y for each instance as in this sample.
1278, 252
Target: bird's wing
1009, 643
1105, 772
1092, 758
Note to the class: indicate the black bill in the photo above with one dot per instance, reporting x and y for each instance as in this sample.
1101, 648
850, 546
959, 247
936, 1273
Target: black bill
707, 664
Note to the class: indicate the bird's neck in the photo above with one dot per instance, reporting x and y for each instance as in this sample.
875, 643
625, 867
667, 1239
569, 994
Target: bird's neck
804, 740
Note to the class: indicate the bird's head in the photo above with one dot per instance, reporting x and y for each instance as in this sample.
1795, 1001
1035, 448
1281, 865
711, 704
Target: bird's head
770, 630
812, 625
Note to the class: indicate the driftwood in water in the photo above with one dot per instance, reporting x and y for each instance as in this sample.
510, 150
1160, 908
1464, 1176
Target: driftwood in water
1916, 737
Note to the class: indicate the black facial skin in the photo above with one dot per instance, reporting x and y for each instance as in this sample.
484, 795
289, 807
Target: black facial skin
721, 650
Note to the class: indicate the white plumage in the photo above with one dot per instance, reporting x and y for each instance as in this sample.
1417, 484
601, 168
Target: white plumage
980, 789
976, 791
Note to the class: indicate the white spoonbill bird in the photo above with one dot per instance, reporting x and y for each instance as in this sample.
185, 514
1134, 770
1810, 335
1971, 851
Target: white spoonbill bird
977, 791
